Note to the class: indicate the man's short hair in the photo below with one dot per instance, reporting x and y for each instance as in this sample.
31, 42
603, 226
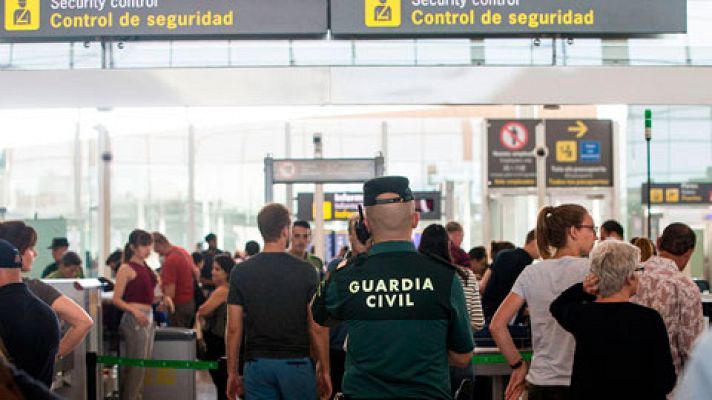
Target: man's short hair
197, 257
302, 223
252, 248
271, 221
453, 226
159, 238
210, 237
677, 239
613, 226
71, 258
531, 236
477, 253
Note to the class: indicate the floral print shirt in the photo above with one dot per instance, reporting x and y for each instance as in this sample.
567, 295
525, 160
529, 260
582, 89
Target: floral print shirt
676, 297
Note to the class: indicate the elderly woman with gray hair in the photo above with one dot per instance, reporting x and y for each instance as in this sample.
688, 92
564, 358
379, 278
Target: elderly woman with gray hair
622, 349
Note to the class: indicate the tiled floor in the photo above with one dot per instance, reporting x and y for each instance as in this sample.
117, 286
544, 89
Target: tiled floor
204, 386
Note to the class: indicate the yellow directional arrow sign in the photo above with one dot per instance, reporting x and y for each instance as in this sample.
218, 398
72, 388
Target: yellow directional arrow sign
580, 129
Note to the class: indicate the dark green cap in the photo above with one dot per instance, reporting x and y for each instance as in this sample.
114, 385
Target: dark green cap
386, 184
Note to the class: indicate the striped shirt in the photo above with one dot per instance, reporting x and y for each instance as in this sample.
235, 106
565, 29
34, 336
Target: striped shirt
472, 299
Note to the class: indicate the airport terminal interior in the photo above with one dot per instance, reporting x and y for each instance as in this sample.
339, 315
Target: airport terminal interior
191, 129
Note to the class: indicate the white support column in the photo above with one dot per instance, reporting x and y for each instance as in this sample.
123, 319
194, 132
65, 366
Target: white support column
288, 154
104, 162
191, 187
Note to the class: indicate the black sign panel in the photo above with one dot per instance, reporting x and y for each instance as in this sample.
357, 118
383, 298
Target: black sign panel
63, 20
462, 18
341, 206
511, 161
677, 193
580, 153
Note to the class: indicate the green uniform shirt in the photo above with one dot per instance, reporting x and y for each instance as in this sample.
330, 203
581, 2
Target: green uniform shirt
404, 312
49, 269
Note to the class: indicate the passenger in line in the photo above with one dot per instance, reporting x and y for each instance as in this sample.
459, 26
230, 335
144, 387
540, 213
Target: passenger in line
212, 318
79, 323
134, 294
59, 246
666, 289
206, 272
252, 248
69, 266
564, 235
301, 238
497, 246
271, 292
435, 242
456, 233
176, 280
479, 261
622, 348
500, 277
29, 330
646, 246
611, 229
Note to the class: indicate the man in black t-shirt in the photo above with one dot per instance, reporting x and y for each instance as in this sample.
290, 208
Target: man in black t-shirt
272, 292
28, 327
500, 277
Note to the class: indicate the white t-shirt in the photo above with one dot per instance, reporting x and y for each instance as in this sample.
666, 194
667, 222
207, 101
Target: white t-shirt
539, 285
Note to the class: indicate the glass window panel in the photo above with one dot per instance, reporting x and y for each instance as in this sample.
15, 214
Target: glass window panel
86, 56
40, 56
142, 55
385, 52
321, 52
259, 53
200, 53
443, 52
583, 52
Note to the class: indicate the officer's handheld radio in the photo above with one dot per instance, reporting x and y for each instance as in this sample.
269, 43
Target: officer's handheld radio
362, 233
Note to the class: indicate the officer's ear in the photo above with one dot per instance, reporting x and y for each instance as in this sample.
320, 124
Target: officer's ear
367, 223
414, 219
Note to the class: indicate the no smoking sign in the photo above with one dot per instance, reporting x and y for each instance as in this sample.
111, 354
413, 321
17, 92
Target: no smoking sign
514, 136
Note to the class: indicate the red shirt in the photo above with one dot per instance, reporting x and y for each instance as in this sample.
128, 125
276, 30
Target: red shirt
459, 257
177, 269
140, 288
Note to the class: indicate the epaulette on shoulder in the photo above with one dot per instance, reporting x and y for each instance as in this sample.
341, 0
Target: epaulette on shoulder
346, 263
440, 260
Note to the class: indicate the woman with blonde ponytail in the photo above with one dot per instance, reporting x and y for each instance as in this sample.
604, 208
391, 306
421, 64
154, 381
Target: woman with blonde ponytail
565, 235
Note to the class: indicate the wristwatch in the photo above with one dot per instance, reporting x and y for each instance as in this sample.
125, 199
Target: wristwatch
517, 364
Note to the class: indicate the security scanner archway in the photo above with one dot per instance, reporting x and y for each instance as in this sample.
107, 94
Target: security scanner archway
319, 171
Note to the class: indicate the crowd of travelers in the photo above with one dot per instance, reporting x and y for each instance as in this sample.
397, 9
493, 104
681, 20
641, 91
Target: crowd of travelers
605, 318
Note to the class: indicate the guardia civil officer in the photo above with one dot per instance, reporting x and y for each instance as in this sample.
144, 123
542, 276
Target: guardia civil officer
406, 312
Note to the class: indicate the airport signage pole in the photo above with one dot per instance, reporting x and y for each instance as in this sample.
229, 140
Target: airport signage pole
318, 234
648, 138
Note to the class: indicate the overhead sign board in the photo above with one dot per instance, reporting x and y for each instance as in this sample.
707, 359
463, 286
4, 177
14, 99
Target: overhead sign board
458, 18
64, 20
678, 193
511, 161
341, 206
580, 153
342, 170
